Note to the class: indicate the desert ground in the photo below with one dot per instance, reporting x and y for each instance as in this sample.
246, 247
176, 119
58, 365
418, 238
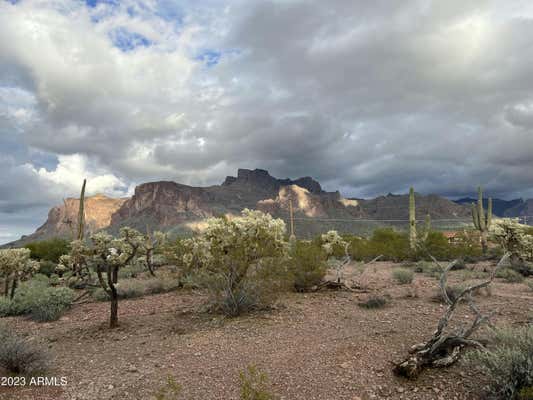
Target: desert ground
318, 345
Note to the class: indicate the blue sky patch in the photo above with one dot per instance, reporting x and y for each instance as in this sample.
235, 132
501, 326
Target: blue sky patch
126, 40
209, 57
94, 3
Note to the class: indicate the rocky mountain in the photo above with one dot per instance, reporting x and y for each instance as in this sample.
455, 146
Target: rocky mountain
62, 220
178, 208
499, 207
517, 208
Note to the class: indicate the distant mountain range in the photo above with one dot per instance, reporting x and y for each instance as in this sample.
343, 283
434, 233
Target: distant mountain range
181, 209
506, 208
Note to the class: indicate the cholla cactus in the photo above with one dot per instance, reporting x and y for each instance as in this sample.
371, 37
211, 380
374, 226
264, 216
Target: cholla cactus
151, 242
330, 241
513, 237
239, 259
16, 265
109, 254
75, 263
482, 221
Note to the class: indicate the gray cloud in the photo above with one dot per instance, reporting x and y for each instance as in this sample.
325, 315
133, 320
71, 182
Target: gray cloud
369, 97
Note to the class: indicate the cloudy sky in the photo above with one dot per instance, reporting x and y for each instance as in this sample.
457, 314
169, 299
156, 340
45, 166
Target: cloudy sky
369, 97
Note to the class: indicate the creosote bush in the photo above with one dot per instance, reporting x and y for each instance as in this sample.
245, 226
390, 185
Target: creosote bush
402, 276
19, 356
307, 264
509, 275
508, 363
374, 302
254, 385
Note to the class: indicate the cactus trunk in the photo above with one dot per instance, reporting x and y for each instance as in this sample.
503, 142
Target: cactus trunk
81, 212
482, 221
412, 219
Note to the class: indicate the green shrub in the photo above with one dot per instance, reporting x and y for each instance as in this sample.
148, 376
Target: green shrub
40, 301
240, 261
49, 250
402, 276
530, 284
452, 291
5, 307
18, 356
132, 288
170, 391
374, 302
307, 264
47, 267
51, 304
508, 364
526, 393
509, 275
254, 385
428, 268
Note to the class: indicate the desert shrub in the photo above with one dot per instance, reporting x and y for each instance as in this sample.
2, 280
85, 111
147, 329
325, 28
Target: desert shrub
48, 250
459, 265
428, 268
467, 274
509, 275
132, 270
170, 391
530, 284
5, 307
374, 302
47, 268
508, 364
40, 301
402, 276
307, 264
51, 304
240, 261
254, 385
19, 356
132, 288
452, 292
392, 245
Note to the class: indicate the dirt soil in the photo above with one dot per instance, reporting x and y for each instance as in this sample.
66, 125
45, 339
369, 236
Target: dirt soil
312, 346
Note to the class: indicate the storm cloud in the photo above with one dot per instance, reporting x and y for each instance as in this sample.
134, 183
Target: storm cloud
367, 97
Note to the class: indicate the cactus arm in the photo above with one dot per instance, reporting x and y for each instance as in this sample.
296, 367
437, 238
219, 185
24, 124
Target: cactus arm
489, 213
480, 210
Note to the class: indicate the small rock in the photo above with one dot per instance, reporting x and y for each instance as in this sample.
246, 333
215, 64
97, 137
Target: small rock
133, 368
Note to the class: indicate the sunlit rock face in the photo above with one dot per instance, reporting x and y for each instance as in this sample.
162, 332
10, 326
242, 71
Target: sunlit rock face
63, 219
182, 209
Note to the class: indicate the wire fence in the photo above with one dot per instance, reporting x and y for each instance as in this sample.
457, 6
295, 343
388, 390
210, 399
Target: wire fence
311, 227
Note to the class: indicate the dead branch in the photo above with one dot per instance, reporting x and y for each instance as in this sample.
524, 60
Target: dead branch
443, 349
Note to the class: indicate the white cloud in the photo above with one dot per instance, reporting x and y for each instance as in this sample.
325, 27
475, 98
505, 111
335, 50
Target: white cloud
368, 96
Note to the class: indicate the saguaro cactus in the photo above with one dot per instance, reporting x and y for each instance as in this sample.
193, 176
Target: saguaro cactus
481, 220
412, 219
292, 237
81, 212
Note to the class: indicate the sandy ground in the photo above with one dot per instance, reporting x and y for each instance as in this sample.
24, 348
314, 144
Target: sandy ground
312, 346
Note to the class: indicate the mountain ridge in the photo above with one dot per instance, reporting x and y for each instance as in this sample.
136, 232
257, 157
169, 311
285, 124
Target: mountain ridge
180, 209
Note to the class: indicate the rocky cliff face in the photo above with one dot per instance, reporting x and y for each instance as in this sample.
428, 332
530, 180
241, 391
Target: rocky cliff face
62, 220
171, 206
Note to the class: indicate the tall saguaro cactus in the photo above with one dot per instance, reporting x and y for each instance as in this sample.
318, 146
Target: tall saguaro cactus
81, 212
291, 215
412, 219
481, 220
